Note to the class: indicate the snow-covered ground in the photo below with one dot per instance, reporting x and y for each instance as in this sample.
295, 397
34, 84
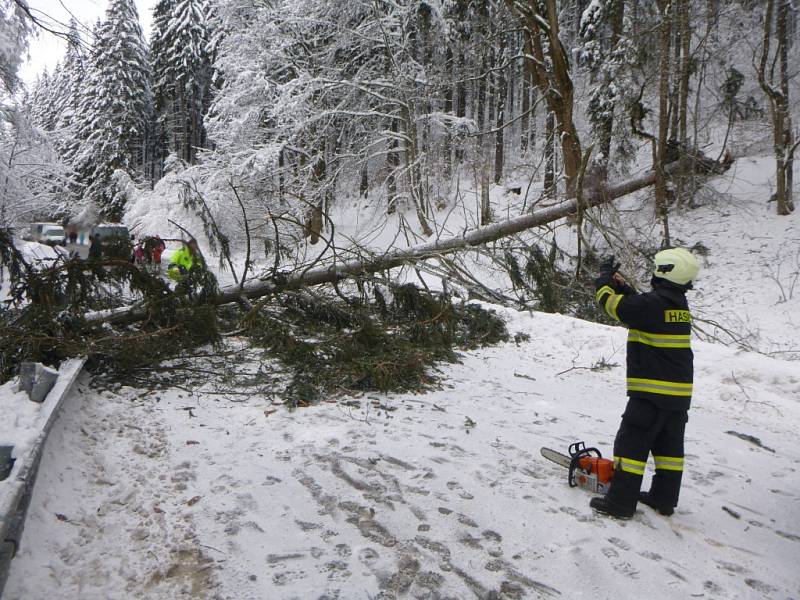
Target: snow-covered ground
444, 495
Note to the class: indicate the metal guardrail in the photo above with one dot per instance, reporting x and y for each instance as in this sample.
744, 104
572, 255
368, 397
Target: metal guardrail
14, 503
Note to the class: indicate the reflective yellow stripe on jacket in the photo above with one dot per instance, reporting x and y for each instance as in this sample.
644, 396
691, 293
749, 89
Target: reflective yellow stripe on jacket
659, 340
655, 386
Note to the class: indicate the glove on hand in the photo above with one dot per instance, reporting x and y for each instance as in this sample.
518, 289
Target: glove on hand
607, 269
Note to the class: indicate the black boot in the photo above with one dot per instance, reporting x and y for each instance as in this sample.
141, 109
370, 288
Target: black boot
646, 498
607, 507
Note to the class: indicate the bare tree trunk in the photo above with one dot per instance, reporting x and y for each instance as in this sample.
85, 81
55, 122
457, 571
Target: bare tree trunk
778, 95
484, 97
183, 115
392, 163
550, 156
486, 206
281, 175
525, 120
447, 142
363, 187
663, 119
461, 99
551, 74
684, 178
501, 90
408, 134
675, 74
788, 134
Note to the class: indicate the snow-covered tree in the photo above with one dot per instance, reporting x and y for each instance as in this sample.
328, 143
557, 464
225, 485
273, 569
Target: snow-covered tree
15, 31
160, 42
115, 110
27, 163
182, 73
32, 176
68, 82
316, 93
607, 52
40, 101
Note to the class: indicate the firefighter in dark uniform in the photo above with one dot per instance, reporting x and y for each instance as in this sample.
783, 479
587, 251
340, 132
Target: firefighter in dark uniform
659, 381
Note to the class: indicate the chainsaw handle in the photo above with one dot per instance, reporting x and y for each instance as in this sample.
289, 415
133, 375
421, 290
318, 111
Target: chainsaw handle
577, 451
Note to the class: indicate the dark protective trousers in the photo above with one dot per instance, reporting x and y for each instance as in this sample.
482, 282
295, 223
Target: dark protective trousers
647, 428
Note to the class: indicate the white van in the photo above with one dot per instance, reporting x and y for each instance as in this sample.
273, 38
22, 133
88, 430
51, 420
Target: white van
52, 235
46, 233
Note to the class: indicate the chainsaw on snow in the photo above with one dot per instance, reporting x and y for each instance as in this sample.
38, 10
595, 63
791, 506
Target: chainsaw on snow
587, 467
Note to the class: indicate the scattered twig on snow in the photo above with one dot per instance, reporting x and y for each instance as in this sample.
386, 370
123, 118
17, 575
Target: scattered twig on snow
748, 400
750, 438
523, 376
601, 365
732, 512
735, 338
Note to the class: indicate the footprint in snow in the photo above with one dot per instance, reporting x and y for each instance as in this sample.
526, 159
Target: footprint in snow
760, 586
470, 541
627, 569
465, 520
579, 516
337, 570
368, 556
343, 550
462, 493
621, 544
287, 577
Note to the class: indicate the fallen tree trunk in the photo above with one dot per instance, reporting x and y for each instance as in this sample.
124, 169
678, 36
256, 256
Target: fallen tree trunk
475, 237
352, 268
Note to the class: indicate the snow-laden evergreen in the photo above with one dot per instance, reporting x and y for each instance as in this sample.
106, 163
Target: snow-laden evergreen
182, 72
162, 75
69, 81
15, 31
115, 112
187, 77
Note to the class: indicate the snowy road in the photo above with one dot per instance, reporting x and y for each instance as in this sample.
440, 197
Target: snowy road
172, 496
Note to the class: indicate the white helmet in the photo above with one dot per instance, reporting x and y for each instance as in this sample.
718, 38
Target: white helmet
676, 265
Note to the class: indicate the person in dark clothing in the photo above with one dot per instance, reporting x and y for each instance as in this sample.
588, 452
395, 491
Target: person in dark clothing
96, 248
660, 372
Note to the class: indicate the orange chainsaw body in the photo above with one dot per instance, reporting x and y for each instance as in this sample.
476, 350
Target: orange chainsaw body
594, 473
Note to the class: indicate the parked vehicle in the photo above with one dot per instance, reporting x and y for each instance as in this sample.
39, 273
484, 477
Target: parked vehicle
45, 233
115, 240
52, 235
106, 230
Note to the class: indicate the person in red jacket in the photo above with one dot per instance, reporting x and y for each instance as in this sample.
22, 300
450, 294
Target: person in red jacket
660, 374
157, 251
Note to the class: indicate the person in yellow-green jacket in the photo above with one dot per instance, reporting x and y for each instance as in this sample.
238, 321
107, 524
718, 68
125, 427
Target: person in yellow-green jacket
660, 372
184, 259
